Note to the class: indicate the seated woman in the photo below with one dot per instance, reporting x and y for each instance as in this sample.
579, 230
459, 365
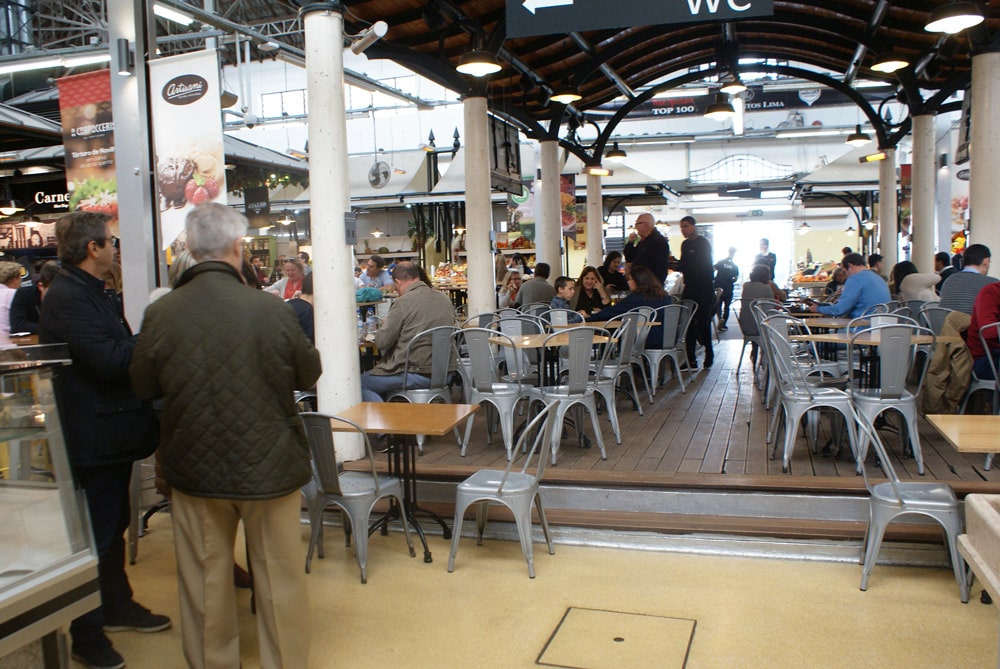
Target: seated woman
908, 283
589, 294
291, 285
646, 291
612, 278
836, 284
509, 289
758, 287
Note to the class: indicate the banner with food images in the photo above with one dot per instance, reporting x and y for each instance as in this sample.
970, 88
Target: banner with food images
187, 137
89, 141
567, 204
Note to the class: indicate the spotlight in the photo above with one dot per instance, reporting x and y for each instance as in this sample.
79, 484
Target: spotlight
369, 36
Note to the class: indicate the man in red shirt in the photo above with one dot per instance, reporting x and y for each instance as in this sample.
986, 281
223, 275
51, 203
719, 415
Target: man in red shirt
985, 310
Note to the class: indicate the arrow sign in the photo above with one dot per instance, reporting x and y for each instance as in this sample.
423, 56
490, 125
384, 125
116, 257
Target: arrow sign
567, 16
533, 5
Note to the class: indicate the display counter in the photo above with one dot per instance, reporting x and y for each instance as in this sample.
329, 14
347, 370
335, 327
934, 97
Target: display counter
48, 564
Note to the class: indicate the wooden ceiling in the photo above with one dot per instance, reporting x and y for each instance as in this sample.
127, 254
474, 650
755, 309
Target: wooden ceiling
831, 42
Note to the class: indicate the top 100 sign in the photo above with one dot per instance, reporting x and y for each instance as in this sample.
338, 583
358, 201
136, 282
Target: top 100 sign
548, 17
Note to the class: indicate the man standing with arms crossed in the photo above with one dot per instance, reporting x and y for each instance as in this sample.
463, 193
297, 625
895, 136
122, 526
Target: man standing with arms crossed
229, 451
107, 427
696, 265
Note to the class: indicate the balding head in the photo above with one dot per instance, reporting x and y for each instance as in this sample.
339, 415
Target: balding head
644, 225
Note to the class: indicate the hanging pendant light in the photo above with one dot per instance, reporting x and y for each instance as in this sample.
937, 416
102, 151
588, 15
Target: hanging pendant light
478, 63
955, 17
615, 155
566, 96
286, 218
890, 62
858, 138
803, 229
732, 84
721, 109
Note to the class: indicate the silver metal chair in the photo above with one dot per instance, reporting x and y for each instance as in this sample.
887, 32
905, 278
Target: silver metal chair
932, 316
617, 364
515, 489
989, 333
884, 386
799, 394
560, 316
521, 364
895, 498
675, 319
487, 386
354, 493
442, 361
534, 308
577, 389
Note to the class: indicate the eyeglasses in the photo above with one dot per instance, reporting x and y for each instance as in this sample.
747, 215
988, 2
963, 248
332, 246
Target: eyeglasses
113, 240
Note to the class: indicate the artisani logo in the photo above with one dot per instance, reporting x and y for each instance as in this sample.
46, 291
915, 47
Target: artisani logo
185, 89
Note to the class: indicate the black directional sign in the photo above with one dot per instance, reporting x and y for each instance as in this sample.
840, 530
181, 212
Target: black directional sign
548, 17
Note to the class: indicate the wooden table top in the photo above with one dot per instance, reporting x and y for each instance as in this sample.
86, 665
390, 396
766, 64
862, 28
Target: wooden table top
968, 433
539, 340
828, 323
607, 325
866, 339
408, 418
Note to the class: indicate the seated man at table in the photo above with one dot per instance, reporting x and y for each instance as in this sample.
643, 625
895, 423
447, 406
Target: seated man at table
960, 290
985, 310
418, 307
863, 289
537, 288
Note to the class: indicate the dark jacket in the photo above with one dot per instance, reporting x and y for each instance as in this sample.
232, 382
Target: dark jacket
696, 265
654, 337
103, 421
25, 309
230, 425
652, 252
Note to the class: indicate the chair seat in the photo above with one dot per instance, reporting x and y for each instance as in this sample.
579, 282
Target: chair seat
561, 392
871, 396
917, 495
358, 484
486, 481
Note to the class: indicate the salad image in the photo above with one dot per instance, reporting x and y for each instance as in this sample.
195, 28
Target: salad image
94, 194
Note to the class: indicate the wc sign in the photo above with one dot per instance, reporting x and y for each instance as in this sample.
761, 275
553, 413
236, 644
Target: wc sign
549, 17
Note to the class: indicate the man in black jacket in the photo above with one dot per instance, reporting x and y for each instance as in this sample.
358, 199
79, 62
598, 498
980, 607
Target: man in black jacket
696, 265
647, 247
106, 426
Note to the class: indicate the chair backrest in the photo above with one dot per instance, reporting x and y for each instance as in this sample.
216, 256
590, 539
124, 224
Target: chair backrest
877, 309
781, 357
480, 320
877, 319
319, 434
932, 316
534, 439
896, 352
519, 326
560, 316
579, 346
482, 356
442, 359
988, 334
867, 432
626, 329
675, 319
534, 308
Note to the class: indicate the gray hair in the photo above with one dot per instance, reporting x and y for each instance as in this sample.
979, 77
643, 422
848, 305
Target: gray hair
9, 270
211, 230
181, 263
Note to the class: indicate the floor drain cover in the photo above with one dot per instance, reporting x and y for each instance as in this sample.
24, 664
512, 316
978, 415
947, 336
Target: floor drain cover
595, 639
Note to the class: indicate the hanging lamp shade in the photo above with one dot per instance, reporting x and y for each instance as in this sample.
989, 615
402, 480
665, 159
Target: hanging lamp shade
890, 62
858, 138
478, 63
732, 84
286, 218
721, 109
566, 96
615, 155
955, 17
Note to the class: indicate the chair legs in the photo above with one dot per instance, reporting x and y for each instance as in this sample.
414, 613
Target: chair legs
591, 405
520, 507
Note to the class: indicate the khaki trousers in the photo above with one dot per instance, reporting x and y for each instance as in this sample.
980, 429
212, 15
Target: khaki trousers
204, 536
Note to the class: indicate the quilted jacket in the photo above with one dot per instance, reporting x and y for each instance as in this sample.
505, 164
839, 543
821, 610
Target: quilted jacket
103, 421
226, 359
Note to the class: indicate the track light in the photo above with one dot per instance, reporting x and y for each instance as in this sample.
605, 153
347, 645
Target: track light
478, 63
369, 36
955, 17
858, 138
873, 157
565, 96
721, 109
615, 155
890, 62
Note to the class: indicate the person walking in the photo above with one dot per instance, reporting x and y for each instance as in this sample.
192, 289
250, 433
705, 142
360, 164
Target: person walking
726, 274
230, 452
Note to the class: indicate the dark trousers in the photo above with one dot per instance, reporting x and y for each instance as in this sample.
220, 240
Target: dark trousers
722, 311
700, 330
106, 488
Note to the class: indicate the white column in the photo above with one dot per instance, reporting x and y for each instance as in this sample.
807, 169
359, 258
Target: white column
984, 196
133, 166
548, 218
334, 304
595, 220
888, 224
922, 197
478, 208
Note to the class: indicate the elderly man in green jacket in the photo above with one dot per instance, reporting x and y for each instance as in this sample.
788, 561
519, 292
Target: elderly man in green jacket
231, 443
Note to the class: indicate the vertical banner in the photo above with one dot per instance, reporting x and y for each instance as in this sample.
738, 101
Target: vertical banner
257, 205
187, 137
89, 140
567, 204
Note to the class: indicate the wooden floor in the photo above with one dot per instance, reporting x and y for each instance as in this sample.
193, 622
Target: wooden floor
716, 428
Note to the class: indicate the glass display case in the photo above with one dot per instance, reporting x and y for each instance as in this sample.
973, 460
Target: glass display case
48, 564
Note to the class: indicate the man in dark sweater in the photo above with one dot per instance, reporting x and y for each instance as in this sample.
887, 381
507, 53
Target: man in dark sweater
696, 265
647, 247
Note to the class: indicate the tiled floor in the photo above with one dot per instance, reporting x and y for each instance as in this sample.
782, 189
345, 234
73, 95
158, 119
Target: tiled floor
723, 612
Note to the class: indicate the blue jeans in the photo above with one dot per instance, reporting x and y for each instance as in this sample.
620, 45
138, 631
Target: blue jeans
374, 386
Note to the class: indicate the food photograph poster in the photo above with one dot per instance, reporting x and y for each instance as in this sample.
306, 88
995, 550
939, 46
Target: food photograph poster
187, 138
89, 139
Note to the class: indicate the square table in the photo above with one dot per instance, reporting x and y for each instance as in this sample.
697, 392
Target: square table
402, 421
968, 433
